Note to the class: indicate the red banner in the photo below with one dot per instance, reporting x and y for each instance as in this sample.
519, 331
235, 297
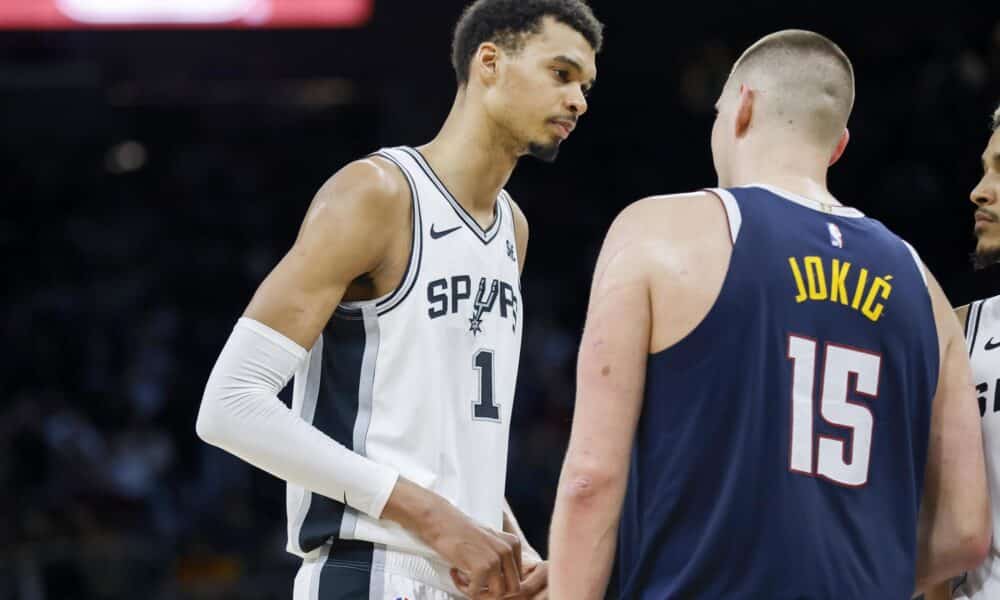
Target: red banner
222, 14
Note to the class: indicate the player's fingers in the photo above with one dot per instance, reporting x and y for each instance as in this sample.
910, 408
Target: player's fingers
517, 558
535, 582
496, 581
510, 568
472, 585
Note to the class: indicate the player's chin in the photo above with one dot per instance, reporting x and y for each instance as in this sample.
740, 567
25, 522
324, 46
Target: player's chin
987, 251
547, 151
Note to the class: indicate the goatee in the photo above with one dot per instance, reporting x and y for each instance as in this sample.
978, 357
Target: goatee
546, 153
986, 257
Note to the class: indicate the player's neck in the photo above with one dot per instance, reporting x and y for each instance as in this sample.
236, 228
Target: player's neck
470, 161
802, 172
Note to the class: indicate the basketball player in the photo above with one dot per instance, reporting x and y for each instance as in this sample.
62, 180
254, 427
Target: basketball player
982, 330
759, 425
398, 311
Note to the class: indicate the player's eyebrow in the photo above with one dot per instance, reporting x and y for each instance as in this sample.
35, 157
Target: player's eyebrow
573, 63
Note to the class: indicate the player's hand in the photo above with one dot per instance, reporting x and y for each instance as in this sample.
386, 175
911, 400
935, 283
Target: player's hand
534, 577
487, 563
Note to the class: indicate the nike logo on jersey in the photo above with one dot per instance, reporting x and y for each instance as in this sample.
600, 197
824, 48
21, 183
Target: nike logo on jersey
991, 345
440, 234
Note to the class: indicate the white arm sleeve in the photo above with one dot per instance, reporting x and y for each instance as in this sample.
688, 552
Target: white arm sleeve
241, 413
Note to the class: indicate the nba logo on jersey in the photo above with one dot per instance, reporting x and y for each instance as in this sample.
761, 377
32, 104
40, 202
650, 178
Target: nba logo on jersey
836, 238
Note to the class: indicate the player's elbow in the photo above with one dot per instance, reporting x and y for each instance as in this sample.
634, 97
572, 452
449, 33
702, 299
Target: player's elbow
973, 540
583, 485
208, 425
213, 424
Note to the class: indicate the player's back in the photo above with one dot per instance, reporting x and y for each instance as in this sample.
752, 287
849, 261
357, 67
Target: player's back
781, 447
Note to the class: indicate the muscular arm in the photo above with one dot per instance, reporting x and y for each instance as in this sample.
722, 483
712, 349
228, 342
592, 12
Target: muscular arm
610, 383
345, 233
953, 532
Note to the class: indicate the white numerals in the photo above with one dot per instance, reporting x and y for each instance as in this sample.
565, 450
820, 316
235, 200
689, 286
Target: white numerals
835, 459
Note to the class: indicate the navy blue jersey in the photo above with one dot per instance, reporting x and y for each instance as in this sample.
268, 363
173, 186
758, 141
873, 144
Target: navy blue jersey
781, 447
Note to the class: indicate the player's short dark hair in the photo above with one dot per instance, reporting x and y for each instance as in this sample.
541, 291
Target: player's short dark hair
508, 22
996, 120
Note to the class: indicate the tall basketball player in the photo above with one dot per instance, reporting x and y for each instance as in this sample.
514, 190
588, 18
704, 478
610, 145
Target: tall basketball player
982, 336
789, 384
398, 311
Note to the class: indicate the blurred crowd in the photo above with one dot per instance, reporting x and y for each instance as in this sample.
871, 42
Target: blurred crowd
134, 235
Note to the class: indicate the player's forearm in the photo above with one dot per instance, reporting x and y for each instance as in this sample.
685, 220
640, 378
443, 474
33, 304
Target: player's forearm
941, 591
584, 534
241, 413
948, 551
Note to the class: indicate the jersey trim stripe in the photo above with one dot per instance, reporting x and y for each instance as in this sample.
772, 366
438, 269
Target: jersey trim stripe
366, 389
344, 346
349, 573
352, 310
308, 589
485, 236
378, 571
733, 214
299, 499
917, 261
975, 328
834, 209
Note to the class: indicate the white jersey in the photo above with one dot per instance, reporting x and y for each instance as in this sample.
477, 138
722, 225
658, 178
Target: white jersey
422, 379
982, 335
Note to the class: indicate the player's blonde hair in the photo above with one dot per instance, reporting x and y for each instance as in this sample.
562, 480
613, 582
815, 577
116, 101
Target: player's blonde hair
806, 81
996, 119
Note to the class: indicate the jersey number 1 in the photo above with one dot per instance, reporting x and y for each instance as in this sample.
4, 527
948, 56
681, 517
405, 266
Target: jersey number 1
485, 409
835, 460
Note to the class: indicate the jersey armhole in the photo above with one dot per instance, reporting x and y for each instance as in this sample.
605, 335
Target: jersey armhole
917, 261
732, 208
353, 309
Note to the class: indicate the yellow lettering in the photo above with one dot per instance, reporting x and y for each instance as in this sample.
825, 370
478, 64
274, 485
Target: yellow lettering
881, 287
799, 284
862, 280
815, 277
838, 289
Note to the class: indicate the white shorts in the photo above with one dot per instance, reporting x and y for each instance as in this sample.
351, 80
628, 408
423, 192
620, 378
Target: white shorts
354, 570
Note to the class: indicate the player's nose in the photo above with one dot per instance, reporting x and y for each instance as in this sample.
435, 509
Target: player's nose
576, 103
984, 193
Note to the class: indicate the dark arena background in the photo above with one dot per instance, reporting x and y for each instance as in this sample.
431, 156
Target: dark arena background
152, 175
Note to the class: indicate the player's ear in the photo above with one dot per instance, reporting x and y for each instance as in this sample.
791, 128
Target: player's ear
485, 63
841, 146
744, 111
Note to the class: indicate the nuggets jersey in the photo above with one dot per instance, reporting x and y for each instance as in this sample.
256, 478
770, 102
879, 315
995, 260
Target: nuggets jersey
781, 446
422, 379
982, 335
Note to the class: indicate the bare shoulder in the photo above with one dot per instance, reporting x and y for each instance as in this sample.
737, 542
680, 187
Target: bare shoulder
668, 220
663, 214
650, 233
370, 189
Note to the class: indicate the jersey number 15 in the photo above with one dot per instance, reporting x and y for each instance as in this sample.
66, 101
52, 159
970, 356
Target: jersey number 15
834, 459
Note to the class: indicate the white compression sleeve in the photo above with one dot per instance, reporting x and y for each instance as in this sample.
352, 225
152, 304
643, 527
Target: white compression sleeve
241, 413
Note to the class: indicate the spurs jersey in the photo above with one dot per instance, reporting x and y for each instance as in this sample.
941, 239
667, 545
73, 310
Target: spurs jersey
982, 335
422, 379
